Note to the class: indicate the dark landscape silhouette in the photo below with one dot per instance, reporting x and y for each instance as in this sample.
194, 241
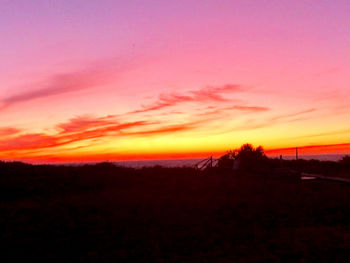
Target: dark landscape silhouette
259, 211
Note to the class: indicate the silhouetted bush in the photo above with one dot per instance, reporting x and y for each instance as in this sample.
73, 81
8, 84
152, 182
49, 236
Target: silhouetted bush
345, 160
227, 160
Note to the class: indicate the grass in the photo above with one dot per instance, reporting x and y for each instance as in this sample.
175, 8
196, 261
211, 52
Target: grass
104, 213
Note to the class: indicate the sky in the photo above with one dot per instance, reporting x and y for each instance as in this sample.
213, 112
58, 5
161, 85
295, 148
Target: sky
88, 80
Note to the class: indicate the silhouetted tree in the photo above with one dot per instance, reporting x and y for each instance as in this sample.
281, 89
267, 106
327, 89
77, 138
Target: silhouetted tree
247, 157
251, 158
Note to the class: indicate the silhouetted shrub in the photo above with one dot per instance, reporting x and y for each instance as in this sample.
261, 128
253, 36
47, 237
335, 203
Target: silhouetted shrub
345, 161
227, 160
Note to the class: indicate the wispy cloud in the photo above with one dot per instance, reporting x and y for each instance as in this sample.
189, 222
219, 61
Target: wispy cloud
60, 83
253, 124
8, 131
239, 108
29, 141
86, 128
293, 115
207, 94
81, 123
168, 129
334, 132
310, 147
214, 93
247, 108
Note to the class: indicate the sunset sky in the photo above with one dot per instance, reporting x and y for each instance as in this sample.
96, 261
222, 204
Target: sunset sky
88, 80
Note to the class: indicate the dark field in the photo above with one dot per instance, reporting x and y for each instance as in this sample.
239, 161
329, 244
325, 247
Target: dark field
104, 213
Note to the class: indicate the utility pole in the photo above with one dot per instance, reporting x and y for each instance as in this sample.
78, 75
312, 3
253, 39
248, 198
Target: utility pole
296, 153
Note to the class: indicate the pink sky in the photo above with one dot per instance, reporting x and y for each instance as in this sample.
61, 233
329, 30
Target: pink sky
95, 80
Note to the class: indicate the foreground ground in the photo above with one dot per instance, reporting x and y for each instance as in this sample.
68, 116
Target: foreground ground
108, 214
